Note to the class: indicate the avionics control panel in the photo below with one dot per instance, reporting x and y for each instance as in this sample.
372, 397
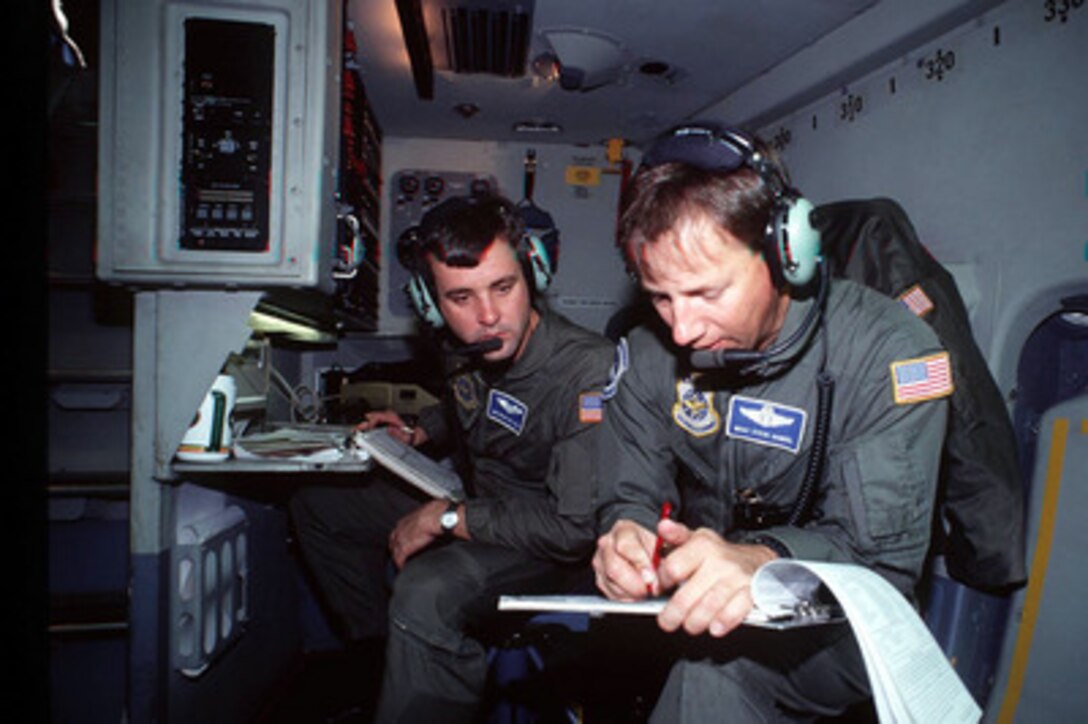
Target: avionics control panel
219, 143
226, 158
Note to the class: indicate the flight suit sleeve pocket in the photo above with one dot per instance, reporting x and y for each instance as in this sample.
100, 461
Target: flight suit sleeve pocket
573, 476
884, 486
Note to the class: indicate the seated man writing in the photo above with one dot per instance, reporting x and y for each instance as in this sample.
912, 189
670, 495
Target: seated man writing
780, 413
525, 415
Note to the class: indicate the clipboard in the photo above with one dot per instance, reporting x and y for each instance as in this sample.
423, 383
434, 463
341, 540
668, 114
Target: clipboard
802, 613
410, 464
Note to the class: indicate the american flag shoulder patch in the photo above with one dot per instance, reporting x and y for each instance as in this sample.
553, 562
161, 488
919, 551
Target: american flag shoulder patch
590, 407
916, 300
922, 378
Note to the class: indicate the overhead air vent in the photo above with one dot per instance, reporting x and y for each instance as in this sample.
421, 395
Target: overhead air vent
480, 36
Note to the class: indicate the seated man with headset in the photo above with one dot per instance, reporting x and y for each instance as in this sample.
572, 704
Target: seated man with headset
780, 413
525, 415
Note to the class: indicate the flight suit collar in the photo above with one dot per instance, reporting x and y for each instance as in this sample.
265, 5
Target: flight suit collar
796, 313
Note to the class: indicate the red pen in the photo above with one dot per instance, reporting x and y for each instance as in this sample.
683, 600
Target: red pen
666, 510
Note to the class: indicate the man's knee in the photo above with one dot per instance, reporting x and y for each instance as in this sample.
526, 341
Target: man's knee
432, 597
425, 589
804, 673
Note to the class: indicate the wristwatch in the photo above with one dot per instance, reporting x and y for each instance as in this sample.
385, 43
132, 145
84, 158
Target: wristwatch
449, 520
774, 544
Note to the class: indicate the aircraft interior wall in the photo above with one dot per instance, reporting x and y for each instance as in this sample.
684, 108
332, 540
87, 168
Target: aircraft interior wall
979, 135
976, 134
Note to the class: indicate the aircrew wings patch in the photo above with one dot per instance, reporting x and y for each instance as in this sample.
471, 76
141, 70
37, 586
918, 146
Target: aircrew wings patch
922, 378
507, 410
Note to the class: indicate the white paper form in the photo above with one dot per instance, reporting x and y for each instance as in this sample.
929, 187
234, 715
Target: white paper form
911, 679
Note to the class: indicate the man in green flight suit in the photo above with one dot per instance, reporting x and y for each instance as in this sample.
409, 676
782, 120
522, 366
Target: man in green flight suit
779, 412
525, 413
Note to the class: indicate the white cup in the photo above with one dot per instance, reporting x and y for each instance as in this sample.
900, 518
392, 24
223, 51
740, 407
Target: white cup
209, 437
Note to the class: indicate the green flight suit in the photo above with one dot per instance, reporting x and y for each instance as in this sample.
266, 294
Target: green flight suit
720, 445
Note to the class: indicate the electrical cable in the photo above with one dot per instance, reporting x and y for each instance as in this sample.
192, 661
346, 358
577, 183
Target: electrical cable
817, 456
309, 412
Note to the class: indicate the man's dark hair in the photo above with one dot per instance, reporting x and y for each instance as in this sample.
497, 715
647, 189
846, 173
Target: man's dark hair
458, 231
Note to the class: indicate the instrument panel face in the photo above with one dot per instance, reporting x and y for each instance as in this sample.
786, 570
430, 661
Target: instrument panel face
227, 135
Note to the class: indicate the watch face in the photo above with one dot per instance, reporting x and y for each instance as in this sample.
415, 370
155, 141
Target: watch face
449, 520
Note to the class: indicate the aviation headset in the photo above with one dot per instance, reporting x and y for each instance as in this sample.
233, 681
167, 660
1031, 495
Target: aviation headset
791, 244
530, 250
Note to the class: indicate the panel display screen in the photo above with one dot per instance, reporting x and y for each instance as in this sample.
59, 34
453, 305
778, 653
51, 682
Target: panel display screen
227, 135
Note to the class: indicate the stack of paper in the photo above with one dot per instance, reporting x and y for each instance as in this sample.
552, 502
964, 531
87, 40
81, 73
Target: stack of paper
308, 443
911, 679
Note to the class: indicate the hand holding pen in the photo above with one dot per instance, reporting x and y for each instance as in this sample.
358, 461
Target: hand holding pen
655, 561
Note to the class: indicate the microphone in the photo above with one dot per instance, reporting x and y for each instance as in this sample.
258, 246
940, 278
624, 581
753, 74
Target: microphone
482, 347
708, 359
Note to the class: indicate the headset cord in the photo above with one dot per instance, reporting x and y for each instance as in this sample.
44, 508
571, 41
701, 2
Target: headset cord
817, 457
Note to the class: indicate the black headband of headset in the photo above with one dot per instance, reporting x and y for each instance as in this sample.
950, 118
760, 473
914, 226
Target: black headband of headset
705, 146
714, 147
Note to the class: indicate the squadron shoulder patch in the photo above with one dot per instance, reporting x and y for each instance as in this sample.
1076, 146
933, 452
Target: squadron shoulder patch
694, 409
922, 378
507, 410
590, 407
619, 366
916, 300
464, 391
